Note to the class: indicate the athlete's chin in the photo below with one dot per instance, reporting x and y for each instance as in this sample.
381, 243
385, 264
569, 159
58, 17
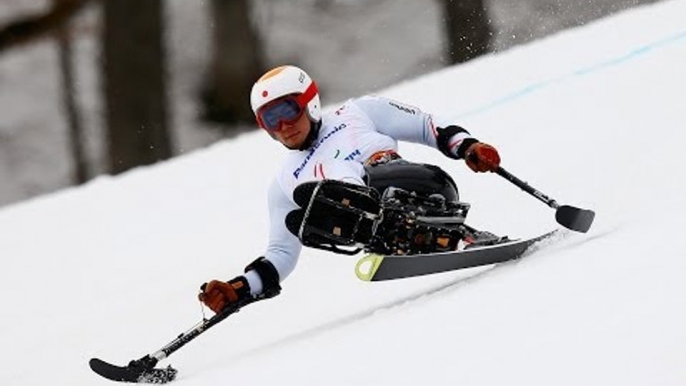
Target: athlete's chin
293, 142
291, 147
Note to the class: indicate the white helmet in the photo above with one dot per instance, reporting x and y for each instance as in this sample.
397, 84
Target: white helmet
282, 81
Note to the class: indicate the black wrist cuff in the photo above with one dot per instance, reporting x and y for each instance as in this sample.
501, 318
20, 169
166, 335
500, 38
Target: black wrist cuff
268, 274
241, 285
444, 136
464, 146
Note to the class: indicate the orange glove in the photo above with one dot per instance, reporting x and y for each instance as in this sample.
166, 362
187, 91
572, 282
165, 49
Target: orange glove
218, 294
482, 157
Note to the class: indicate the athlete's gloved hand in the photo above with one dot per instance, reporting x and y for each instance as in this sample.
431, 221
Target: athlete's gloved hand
218, 294
482, 157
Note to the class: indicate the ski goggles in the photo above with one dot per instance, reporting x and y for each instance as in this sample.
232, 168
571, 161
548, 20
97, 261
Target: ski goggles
284, 110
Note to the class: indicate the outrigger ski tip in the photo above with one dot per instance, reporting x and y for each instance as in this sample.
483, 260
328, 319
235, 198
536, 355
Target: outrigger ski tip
570, 217
573, 218
138, 371
143, 370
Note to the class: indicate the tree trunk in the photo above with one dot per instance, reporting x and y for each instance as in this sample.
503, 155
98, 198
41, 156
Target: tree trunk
71, 110
468, 29
30, 28
135, 83
236, 63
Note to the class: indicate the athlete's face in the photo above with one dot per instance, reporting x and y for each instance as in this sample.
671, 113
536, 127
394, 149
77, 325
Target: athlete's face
293, 135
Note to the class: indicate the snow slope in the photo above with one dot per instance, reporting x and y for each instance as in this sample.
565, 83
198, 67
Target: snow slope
593, 117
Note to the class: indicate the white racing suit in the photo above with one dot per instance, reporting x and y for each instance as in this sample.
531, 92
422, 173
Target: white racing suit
347, 138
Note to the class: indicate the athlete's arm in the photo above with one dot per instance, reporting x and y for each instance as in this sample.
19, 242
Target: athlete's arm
283, 248
408, 123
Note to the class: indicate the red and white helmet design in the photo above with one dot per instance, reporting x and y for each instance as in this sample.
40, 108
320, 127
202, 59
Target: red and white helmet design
282, 81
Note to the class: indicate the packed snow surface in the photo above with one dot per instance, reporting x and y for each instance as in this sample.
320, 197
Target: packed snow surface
594, 117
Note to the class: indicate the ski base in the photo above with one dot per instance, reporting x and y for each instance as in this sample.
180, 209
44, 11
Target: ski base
139, 371
376, 267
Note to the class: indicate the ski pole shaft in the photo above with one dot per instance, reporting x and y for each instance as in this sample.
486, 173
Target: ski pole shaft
143, 370
186, 337
573, 218
527, 188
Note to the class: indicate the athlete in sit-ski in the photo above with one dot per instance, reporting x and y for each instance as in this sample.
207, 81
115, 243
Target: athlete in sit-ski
334, 146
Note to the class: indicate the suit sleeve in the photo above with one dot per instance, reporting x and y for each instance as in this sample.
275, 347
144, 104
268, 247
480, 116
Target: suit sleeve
284, 248
408, 123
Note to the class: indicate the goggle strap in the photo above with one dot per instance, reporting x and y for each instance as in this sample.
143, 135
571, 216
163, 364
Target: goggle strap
308, 95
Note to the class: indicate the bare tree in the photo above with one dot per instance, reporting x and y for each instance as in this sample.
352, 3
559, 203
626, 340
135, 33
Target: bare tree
134, 75
236, 62
31, 28
71, 110
55, 21
467, 28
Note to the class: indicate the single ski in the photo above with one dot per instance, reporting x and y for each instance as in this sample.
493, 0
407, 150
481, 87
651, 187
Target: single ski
138, 371
376, 267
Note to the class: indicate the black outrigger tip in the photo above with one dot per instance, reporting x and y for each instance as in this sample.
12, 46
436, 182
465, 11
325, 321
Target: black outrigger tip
138, 371
143, 370
576, 219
